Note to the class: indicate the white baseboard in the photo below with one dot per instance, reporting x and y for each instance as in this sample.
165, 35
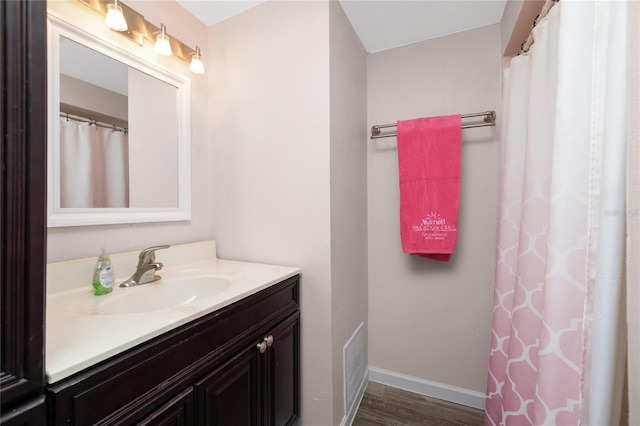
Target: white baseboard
351, 414
426, 387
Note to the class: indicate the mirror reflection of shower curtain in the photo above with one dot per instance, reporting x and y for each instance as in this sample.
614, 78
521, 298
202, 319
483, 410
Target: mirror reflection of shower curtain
94, 166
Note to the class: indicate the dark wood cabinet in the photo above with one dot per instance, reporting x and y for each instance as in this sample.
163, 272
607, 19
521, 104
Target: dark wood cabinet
208, 372
23, 125
281, 381
229, 396
29, 413
177, 412
258, 386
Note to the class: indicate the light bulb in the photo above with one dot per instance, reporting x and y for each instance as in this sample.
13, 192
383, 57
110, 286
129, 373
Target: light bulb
196, 67
162, 45
115, 18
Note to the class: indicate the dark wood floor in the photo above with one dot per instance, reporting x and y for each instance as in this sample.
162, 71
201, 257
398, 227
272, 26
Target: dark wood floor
387, 406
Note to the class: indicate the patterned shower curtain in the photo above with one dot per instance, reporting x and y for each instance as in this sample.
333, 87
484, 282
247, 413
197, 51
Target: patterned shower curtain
94, 166
557, 352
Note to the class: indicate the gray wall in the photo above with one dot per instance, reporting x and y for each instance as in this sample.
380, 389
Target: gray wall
288, 119
269, 132
348, 191
431, 320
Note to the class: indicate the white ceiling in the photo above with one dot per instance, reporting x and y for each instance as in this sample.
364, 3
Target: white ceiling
213, 11
382, 24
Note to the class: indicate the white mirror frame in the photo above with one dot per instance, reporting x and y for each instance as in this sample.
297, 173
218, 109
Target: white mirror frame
59, 217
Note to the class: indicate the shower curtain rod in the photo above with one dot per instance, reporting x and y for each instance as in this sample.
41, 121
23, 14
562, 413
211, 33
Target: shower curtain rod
526, 45
96, 123
489, 120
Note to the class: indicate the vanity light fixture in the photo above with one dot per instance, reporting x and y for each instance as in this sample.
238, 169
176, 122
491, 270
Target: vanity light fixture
115, 17
132, 25
196, 67
162, 46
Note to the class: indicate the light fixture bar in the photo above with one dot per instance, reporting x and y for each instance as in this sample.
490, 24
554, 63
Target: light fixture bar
140, 29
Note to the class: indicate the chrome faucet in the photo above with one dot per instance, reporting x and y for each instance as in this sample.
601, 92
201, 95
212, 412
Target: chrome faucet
147, 268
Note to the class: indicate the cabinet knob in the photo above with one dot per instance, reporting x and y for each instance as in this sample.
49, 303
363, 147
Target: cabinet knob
269, 340
262, 347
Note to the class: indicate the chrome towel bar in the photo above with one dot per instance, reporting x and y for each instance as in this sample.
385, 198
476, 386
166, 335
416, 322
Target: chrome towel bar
489, 119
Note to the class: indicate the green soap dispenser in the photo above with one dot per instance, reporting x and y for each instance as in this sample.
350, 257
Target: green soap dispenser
103, 275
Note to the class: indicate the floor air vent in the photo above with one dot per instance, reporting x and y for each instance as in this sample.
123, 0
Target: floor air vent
354, 367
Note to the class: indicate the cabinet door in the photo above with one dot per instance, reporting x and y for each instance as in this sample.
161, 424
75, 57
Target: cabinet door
179, 411
228, 396
23, 232
31, 413
282, 369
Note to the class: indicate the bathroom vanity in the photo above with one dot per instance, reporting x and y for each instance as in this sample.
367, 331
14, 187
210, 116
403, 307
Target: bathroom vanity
228, 358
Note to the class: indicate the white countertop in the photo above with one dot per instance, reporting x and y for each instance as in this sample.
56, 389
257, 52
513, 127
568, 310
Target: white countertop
79, 338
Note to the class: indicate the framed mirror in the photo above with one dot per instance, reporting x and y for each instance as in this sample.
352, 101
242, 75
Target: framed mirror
119, 134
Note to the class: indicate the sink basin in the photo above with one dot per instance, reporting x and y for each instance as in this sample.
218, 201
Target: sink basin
164, 294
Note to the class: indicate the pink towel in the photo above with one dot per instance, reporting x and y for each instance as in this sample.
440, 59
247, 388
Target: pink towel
429, 166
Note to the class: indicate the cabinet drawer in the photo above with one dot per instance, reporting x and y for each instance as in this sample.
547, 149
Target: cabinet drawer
144, 378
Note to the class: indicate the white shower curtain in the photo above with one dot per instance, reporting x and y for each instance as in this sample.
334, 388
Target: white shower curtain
94, 166
633, 211
557, 343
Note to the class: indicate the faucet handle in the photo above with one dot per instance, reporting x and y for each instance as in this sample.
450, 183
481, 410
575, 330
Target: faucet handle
148, 255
